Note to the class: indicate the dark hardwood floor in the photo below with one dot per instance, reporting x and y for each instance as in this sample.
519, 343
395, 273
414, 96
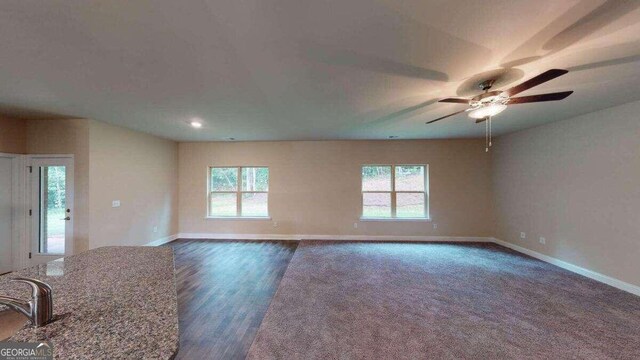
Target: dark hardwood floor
224, 290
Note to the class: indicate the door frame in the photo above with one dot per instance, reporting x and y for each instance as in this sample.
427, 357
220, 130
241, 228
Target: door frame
32, 229
18, 212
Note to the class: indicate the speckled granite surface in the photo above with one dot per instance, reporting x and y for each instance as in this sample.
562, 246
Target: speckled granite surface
111, 302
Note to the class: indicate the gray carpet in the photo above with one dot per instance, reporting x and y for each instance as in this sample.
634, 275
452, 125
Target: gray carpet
441, 301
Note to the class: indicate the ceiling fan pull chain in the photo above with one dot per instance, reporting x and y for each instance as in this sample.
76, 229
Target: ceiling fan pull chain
489, 131
486, 136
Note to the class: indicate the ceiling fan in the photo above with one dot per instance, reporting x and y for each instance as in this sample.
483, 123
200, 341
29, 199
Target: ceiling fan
491, 103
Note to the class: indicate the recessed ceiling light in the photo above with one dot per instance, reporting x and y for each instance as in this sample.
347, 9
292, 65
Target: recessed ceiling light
196, 123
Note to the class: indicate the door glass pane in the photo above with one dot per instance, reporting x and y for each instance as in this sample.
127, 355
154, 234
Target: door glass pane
410, 205
223, 204
409, 178
53, 206
255, 204
376, 205
224, 179
255, 179
376, 178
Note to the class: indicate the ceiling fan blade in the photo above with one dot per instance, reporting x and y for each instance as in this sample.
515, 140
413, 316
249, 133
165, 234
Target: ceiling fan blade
539, 98
444, 117
454, 100
535, 81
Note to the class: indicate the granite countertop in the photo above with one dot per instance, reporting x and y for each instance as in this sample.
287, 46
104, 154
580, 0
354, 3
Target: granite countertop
111, 302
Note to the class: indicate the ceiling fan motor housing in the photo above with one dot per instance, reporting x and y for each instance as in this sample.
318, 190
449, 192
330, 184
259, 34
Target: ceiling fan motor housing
487, 84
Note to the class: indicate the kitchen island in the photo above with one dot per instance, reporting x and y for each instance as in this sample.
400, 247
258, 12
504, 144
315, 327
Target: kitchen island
110, 302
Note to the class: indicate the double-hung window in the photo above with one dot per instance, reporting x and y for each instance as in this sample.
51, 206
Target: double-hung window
240, 191
395, 192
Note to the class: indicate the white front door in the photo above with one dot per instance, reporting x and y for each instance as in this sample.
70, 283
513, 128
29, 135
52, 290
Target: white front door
6, 216
51, 183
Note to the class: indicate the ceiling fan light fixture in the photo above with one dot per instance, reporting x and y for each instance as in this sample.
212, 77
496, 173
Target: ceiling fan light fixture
487, 111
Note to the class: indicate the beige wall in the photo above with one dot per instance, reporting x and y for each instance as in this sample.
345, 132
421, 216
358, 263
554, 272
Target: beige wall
141, 171
315, 186
577, 183
68, 136
13, 136
112, 163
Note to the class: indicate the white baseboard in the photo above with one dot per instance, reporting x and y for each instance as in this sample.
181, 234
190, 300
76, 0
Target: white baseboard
163, 240
215, 236
297, 237
573, 268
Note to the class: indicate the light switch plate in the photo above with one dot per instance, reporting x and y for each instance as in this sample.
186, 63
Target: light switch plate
115, 203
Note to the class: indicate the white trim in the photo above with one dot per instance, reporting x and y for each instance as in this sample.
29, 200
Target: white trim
21, 241
17, 214
394, 219
217, 236
237, 218
573, 268
46, 156
163, 240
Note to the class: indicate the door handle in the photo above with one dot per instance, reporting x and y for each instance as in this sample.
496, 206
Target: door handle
67, 218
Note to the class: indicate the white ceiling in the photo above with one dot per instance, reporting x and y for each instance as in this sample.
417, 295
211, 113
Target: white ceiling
292, 69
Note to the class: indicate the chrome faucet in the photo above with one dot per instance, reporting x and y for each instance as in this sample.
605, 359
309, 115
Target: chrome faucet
39, 309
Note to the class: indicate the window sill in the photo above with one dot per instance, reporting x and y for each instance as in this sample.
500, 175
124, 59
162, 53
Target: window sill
395, 219
237, 217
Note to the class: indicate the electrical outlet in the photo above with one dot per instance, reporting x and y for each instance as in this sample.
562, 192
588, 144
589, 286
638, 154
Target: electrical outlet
523, 235
115, 203
355, 225
435, 226
155, 229
543, 240
275, 224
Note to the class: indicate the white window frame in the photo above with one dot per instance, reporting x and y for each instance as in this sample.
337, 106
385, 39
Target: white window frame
393, 192
239, 192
